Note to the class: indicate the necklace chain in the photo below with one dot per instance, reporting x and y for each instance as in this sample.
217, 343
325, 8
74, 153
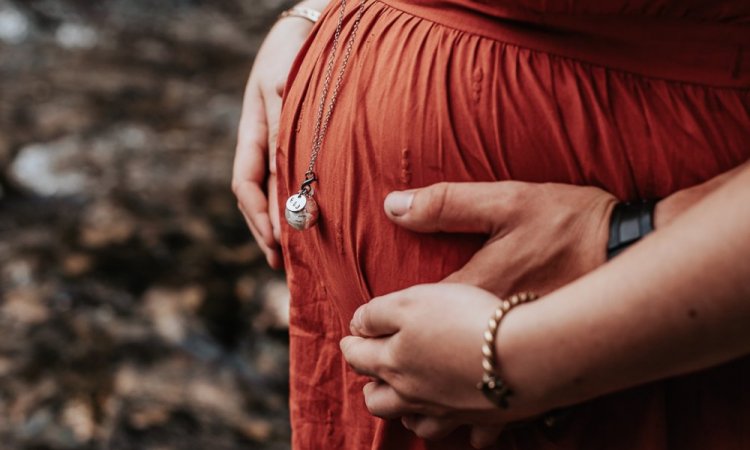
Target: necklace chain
302, 210
321, 121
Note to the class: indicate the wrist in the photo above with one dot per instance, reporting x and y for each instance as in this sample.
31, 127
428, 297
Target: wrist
304, 14
293, 27
603, 231
318, 5
519, 365
629, 223
492, 385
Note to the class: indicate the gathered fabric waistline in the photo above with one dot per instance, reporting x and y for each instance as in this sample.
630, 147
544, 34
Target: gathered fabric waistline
707, 53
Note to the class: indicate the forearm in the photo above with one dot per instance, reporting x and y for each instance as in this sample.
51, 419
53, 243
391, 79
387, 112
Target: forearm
674, 205
679, 301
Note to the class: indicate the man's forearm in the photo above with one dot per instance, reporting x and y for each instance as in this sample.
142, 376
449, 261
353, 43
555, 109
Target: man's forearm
679, 301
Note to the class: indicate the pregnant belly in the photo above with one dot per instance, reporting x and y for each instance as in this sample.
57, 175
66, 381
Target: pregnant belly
422, 103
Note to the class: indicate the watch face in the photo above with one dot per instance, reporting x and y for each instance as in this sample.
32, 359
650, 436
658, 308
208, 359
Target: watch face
296, 203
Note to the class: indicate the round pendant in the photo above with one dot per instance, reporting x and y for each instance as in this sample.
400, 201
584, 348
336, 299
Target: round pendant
301, 211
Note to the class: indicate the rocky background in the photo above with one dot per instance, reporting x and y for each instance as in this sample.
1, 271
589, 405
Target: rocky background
135, 310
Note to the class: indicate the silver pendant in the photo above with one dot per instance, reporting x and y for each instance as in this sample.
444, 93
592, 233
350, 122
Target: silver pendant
301, 211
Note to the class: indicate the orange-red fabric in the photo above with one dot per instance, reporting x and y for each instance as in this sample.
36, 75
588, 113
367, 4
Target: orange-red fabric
641, 98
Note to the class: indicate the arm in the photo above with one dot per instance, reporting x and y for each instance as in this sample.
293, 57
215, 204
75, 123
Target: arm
674, 303
571, 221
670, 207
677, 302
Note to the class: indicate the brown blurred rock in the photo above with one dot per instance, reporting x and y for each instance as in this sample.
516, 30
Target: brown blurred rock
77, 264
136, 311
105, 224
24, 306
78, 416
168, 309
149, 416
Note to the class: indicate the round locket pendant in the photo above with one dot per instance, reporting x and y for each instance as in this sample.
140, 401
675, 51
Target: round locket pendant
301, 211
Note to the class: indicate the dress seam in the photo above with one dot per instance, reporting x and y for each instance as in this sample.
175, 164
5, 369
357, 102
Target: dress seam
582, 62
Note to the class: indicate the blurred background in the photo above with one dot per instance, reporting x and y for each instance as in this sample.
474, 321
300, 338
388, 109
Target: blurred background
135, 310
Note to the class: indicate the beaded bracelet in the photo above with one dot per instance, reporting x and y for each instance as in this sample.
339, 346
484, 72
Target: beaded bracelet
494, 388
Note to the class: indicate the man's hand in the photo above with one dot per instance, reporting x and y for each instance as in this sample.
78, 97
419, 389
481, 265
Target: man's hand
541, 236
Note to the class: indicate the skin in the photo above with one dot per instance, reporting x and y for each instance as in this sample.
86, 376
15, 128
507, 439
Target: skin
576, 343
571, 221
513, 214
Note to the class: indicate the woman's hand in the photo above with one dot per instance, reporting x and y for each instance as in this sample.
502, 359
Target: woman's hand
541, 236
427, 367
254, 177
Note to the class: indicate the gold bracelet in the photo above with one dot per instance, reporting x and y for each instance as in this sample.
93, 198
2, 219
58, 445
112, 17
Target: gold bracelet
495, 389
301, 12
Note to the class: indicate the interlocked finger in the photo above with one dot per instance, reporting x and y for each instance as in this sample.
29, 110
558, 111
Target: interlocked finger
484, 436
383, 401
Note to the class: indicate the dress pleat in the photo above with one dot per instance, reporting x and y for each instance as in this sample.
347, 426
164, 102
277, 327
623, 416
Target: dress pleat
639, 98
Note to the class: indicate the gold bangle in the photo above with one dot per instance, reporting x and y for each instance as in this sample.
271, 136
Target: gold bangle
494, 388
301, 12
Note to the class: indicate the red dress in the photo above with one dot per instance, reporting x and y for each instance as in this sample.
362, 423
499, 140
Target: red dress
641, 98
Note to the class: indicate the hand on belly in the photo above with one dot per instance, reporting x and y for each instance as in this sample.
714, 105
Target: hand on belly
541, 236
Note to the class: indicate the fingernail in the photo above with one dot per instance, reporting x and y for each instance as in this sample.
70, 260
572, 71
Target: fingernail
356, 320
398, 203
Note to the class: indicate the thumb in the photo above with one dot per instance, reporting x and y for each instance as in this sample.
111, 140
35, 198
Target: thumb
376, 318
484, 436
448, 207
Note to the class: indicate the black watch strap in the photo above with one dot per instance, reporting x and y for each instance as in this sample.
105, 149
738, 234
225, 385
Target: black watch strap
629, 223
